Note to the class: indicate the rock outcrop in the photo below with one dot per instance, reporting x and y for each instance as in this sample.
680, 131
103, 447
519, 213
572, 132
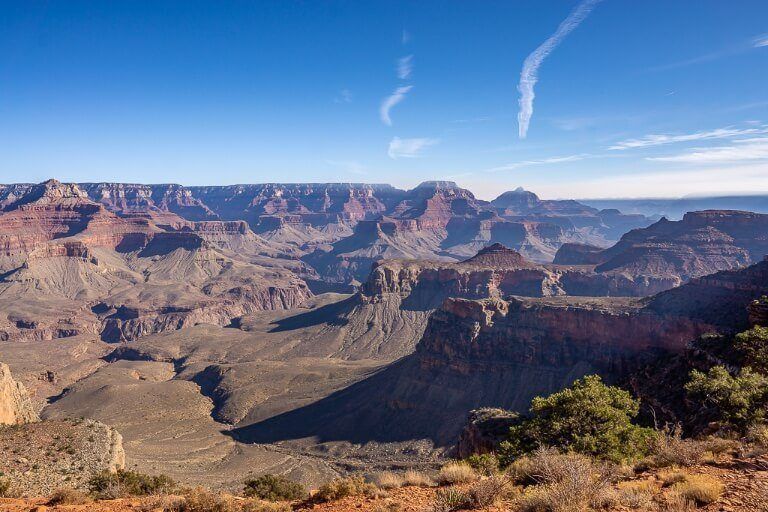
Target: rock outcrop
15, 405
701, 243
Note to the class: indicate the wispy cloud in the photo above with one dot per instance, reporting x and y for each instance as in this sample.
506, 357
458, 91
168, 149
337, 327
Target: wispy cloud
409, 148
662, 139
747, 149
406, 37
350, 166
390, 101
761, 41
543, 161
530, 73
404, 67
345, 96
730, 51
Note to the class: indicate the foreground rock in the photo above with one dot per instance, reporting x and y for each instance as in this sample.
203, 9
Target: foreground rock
15, 405
42, 457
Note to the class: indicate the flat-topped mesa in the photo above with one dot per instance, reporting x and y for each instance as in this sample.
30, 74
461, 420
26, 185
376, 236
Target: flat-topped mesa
498, 256
517, 200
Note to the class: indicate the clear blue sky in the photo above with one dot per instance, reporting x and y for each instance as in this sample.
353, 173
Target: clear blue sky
290, 91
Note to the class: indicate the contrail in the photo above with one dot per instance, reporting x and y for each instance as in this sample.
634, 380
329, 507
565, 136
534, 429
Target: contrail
529, 75
390, 101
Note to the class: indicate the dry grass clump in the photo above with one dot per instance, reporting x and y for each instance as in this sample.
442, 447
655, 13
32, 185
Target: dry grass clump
387, 480
565, 483
389, 506
676, 502
672, 477
489, 491
6, 488
200, 499
450, 499
703, 489
343, 487
68, 497
456, 473
669, 449
417, 479
256, 505
636, 494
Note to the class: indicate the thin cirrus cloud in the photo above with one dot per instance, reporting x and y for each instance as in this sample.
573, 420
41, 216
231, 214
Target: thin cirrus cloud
409, 148
390, 101
530, 73
542, 161
662, 139
739, 151
761, 41
404, 67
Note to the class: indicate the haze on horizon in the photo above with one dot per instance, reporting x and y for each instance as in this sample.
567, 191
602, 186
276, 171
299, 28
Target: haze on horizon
582, 99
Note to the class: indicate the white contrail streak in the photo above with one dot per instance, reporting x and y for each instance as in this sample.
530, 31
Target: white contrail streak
530, 72
390, 101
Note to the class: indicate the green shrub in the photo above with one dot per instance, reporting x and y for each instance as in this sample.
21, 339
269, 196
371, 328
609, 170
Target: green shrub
753, 346
588, 417
738, 400
274, 488
125, 482
485, 464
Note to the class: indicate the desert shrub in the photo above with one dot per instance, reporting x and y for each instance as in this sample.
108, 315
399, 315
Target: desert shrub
676, 502
702, 489
758, 435
456, 473
588, 417
389, 506
417, 479
739, 400
255, 505
636, 494
68, 497
387, 480
274, 488
668, 448
161, 504
753, 346
450, 499
565, 482
671, 477
485, 464
200, 499
489, 491
5, 487
124, 482
343, 487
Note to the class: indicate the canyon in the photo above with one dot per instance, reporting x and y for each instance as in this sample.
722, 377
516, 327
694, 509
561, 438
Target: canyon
321, 329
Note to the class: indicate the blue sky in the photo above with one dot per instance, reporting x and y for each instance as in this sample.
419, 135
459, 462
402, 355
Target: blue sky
640, 98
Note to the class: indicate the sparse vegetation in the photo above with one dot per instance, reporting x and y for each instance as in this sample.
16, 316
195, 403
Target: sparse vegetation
200, 499
485, 464
68, 497
450, 499
5, 487
274, 488
564, 483
669, 449
343, 487
753, 346
456, 473
108, 485
588, 417
387, 480
489, 491
702, 489
417, 478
